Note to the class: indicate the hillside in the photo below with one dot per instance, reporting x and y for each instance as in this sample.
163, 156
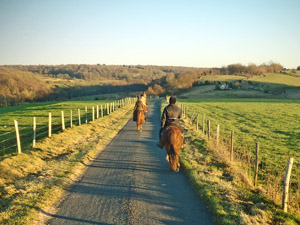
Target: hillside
129, 74
273, 85
21, 83
65, 82
21, 86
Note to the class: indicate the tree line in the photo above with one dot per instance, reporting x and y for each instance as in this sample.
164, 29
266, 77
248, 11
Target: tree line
177, 82
251, 70
21, 83
21, 86
102, 73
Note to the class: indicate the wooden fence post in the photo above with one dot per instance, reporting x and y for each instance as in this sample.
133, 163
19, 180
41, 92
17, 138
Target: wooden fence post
285, 195
256, 164
62, 121
86, 115
208, 129
203, 125
218, 133
97, 112
93, 113
79, 119
34, 132
192, 117
107, 108
101, 111
71, 118
197, 121
18, 137
231, 147
50, 125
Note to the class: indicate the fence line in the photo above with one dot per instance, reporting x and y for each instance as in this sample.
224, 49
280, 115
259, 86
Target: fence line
251, 162
6, 133
30, 134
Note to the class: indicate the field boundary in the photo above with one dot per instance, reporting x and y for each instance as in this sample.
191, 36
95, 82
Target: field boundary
24, 137
250, 167
57, 163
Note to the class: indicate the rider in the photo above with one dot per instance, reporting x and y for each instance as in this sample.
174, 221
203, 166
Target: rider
144, 99
171, 116
138, 106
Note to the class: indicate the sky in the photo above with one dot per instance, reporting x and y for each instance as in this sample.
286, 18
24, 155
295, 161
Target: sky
194, 33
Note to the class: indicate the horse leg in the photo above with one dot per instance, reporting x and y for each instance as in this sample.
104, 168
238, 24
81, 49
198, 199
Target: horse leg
178, 164
168, 158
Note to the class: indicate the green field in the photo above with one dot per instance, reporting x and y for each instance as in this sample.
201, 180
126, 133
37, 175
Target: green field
272, 123
33, 181
276, 85
222, 78
24, 115
209, 91
278, 78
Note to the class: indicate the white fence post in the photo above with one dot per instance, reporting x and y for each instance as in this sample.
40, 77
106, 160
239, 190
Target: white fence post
18, 137
285, 197
71, 118
79, 119
50, 125
62, 120
34, 132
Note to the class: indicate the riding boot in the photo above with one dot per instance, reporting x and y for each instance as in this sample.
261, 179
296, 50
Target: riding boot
159, 143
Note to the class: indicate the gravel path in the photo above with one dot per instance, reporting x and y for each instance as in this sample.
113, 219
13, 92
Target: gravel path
130, 183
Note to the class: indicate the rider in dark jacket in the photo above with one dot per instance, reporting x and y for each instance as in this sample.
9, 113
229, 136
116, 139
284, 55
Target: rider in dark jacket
171, 116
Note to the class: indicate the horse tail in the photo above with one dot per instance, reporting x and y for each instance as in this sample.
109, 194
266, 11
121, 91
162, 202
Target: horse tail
173, 138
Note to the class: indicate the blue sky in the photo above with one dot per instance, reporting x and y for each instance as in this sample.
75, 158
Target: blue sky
197, 33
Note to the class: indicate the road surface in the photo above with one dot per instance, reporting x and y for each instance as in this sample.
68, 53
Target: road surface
130, 183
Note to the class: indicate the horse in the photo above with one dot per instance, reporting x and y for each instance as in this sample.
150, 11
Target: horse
172, 140
140, 118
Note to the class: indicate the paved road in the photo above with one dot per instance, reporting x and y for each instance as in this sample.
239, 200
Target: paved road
130, 183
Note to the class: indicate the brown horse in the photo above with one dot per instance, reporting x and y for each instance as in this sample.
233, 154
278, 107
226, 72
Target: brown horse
172, 140
140, 118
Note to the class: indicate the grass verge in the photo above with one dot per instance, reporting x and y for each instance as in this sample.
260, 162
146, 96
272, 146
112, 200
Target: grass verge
32, 182
225, 188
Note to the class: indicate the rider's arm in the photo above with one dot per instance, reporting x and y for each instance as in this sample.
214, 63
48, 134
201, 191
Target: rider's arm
164, 117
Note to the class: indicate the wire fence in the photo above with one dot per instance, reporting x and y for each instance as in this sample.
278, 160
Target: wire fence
35, 131
274, 181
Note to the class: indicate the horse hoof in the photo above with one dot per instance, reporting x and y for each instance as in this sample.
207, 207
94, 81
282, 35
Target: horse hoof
167, 158
177, 170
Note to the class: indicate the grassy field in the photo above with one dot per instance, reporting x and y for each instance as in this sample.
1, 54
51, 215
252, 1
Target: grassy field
24, 115
278, 78
277, 85
209, 91
272, 123
222, 78
31, 182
